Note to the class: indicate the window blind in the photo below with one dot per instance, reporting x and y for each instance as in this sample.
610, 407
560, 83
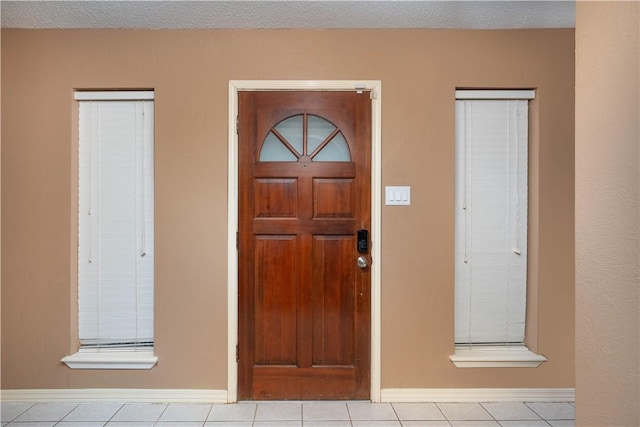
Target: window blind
115, 222
491, 221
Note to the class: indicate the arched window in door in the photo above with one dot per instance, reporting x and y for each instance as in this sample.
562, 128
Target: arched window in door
305, 138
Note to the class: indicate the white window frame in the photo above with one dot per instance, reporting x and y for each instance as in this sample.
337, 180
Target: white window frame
494, 355
127, 356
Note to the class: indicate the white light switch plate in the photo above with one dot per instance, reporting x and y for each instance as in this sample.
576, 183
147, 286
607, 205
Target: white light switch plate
395, 196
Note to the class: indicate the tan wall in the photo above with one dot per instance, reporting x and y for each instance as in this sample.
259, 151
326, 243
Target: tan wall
607, 214
189, 71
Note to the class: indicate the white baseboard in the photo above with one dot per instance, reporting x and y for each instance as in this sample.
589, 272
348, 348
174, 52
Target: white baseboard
478, 394
220, 396
115, 395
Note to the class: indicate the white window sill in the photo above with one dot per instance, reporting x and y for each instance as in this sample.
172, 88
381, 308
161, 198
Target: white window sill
111, 359
496, 357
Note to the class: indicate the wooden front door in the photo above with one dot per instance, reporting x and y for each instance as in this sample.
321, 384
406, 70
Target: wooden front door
304, 302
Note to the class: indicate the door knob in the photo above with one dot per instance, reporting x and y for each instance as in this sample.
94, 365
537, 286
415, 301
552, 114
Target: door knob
362, 262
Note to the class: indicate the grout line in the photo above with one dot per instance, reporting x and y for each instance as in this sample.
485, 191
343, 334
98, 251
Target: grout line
208, 414
166, 406
30, 405
534, 411
491, 415
402, 421
349, 414
487, 411
255, 414
393, 408
115, 413
55, 423
442, 413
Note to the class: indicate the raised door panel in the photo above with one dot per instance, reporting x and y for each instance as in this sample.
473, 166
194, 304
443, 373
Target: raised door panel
276, 197
333, 300
334, 198
276, 287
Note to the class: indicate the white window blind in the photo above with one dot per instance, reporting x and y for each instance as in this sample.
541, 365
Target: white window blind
115, 220
491, 221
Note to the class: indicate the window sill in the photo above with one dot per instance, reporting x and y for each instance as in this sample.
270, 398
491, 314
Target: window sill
496, 357
111, 359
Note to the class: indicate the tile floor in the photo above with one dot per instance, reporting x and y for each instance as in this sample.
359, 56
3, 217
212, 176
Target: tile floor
288, 414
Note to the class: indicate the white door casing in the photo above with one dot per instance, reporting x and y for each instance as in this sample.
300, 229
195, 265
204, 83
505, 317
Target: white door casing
235, 86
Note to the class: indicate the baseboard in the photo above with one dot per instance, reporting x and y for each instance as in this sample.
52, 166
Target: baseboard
115, 395
478, 394
220, 396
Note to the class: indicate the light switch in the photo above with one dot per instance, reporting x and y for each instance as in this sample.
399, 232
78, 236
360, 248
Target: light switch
395, 196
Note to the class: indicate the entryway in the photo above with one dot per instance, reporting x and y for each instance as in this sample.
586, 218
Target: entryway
303, 244
301, 332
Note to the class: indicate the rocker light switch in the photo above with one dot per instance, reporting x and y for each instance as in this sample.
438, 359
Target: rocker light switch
395, 196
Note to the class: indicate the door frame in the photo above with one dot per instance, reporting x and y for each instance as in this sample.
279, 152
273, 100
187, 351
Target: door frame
235, 86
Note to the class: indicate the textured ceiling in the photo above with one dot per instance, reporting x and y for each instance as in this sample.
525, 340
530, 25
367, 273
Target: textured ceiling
288, 14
